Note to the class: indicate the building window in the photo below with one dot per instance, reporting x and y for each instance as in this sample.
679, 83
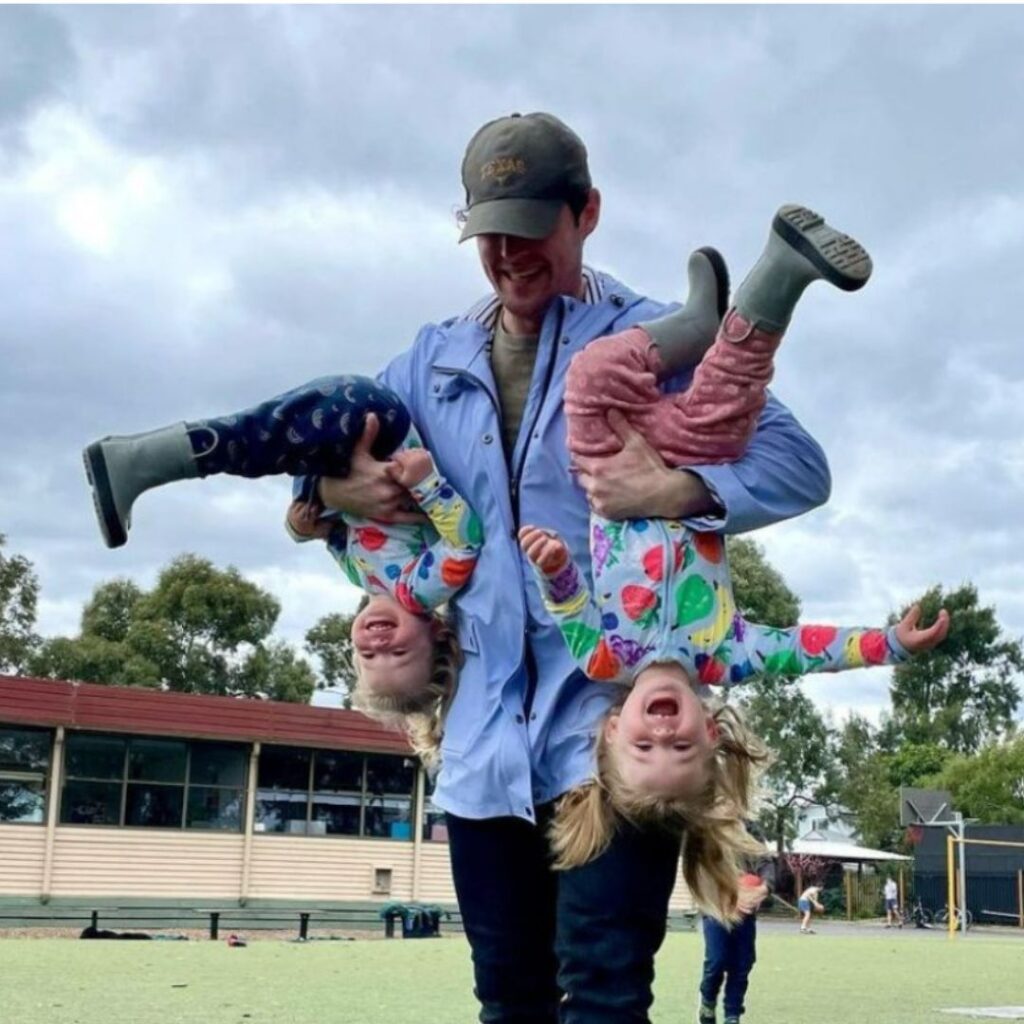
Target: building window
24, 768
335, 792
148, 782
435, 827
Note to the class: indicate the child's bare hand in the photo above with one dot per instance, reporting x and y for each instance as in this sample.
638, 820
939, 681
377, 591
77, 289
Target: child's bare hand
544, 548
304, 519
916, 640
412, 466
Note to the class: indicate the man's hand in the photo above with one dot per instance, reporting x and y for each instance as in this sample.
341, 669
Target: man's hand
916, 640
544, 548
635, 483
371, 488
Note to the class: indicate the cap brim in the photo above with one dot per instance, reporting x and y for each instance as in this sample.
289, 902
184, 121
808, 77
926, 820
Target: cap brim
524, 218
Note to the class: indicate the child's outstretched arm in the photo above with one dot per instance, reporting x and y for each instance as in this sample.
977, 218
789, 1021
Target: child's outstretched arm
799, 650
571, 604
439, 571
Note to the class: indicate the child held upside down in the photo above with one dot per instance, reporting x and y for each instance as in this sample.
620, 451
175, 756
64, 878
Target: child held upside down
406, 651
661, 618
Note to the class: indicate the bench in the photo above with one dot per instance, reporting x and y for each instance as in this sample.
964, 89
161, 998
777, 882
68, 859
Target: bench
367, 918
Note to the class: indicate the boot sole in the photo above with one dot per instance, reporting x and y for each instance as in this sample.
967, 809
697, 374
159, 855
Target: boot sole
840, 259
721, 272
114, 533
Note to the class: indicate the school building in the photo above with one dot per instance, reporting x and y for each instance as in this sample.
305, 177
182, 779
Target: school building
119, 794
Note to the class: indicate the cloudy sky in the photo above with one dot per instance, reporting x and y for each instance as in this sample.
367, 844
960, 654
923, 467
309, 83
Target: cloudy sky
200, 207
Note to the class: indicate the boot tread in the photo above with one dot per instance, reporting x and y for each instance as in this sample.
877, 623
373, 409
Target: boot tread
840, 259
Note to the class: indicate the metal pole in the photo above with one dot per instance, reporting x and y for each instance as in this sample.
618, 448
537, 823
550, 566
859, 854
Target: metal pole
963, 876
1020, 896
950, 884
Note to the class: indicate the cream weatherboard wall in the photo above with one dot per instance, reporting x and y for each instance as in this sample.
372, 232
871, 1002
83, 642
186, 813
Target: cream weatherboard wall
150, 863
165, 864
22, 849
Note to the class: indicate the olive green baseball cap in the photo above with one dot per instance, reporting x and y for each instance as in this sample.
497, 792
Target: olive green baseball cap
518, 172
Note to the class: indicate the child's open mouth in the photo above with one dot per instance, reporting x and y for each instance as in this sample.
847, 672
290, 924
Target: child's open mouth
664, 707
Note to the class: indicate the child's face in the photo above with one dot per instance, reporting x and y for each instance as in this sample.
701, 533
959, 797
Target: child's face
394, 647
663, 738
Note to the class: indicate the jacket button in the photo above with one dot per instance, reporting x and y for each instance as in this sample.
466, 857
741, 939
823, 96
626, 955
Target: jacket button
565, 340
437, 389
618, 300
487, 438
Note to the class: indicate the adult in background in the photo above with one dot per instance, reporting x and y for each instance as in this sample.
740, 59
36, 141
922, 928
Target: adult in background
485, 388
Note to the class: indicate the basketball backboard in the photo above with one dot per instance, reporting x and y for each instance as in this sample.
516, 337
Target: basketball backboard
925, 806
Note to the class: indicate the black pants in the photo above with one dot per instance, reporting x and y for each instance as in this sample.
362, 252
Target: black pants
729, 956
572, 946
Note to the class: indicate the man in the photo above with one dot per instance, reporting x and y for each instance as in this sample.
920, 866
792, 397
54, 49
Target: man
485, 389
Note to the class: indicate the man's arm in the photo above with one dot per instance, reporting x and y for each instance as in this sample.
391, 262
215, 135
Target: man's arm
784, 473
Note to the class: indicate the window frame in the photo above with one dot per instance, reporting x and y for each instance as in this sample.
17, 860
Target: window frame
363, 795
125, 779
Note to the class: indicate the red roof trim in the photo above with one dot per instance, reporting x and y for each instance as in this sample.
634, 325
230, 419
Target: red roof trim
90, 706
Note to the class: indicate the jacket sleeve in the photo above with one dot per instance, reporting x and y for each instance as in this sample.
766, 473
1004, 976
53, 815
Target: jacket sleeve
801, 650
572, 606
783, 474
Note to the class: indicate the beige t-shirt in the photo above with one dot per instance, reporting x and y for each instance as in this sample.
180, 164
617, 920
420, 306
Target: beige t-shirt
512, 359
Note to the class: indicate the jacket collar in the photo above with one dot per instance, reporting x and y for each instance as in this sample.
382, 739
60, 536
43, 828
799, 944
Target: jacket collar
485, 311
467, 336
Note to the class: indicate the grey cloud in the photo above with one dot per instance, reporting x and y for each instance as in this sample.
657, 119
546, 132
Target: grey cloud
36, 66
899, 123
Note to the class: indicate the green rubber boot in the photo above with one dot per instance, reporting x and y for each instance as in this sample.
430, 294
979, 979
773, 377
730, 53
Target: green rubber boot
120, 468
801, 248
683, 337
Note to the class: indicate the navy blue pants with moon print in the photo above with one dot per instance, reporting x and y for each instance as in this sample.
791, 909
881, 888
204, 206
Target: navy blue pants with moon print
308, 431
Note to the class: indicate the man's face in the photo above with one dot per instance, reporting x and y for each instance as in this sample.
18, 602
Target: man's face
528, 273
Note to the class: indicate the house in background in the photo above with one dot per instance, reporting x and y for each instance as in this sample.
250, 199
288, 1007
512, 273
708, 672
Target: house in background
831, 824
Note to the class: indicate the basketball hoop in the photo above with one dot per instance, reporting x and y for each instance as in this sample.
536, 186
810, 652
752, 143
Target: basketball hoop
915, 833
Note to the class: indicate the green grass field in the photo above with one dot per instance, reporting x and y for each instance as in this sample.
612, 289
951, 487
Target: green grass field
838, 978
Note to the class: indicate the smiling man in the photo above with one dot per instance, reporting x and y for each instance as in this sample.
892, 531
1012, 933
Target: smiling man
485, 388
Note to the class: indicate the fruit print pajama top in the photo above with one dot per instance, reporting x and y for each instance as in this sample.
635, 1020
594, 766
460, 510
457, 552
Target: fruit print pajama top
662, 592
421, 565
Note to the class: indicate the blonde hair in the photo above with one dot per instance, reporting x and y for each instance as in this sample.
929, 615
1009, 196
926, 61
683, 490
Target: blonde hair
420, 715
715, 841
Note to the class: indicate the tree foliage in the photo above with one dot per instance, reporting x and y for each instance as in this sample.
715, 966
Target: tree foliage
19, 593
199, 630
987, 785
801, 772
776, 708
964, 693
761, 593
330, 642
